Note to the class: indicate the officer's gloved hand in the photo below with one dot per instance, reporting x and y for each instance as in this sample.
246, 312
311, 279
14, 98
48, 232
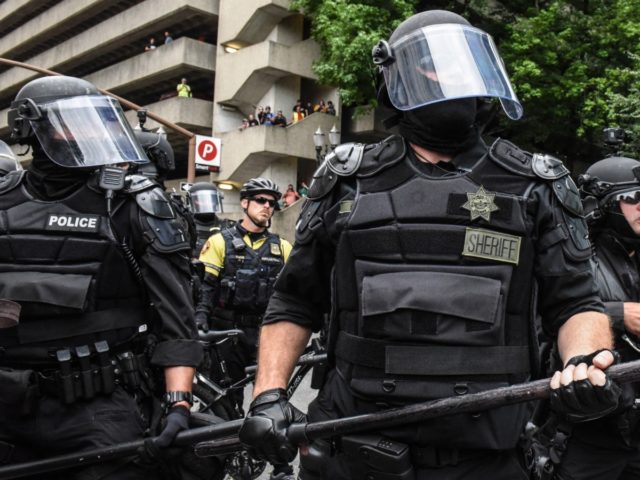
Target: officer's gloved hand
202, 321
177, 419
264, 432
582, 391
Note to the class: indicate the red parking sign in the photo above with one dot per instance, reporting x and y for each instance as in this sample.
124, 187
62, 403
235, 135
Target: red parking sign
207, 151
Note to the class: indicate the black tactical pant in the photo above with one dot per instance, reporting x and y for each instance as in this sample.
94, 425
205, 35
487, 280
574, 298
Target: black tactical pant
55, 429
323, 463
583, 461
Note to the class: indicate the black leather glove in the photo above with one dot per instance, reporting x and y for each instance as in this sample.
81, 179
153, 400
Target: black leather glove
177, 419
580, 401
264, 431
202, 321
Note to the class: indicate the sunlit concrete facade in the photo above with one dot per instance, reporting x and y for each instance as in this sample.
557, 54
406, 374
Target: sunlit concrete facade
235, 58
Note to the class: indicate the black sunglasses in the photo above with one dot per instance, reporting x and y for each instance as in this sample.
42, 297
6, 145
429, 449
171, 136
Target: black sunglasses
263, 201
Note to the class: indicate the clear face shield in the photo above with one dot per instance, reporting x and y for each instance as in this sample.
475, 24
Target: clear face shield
205, 202
8, 159
86, 131
446, 62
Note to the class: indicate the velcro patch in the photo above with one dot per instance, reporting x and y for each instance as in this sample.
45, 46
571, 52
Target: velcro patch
72, 223
274, 248
345, 206
491, 245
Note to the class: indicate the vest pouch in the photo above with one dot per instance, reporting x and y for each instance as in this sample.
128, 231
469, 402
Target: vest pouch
246, 289
227, 287
456, 308
18, 391
264, 292
46, 294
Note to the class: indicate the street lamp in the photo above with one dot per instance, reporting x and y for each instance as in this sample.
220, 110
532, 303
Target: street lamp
334, 137
322, 149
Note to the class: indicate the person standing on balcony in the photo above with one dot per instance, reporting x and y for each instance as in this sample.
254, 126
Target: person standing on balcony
279, 120
297, 115
183, 89
290, 196
167, 38
151, 45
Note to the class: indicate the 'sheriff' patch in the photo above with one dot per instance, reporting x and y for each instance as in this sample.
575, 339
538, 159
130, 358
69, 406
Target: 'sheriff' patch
490, 245
72, 223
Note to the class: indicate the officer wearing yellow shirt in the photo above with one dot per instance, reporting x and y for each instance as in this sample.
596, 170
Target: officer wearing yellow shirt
241, 266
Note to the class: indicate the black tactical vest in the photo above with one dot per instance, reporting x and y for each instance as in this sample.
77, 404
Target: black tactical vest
435, 294
61, 261
247, 280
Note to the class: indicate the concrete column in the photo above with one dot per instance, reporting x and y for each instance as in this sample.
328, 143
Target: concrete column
283, 172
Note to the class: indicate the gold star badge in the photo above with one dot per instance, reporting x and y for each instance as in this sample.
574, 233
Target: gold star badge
480, 204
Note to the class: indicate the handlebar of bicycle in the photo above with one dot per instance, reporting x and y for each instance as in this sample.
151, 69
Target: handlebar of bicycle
215, 335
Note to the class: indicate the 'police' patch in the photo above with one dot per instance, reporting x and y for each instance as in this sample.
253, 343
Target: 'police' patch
73, 223
491, 245
274, 248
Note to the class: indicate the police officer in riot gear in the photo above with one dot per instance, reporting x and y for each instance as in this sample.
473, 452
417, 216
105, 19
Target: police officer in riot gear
8, 161
241, 264
100, 269
160, 154
205, 201
607, 448
433, 254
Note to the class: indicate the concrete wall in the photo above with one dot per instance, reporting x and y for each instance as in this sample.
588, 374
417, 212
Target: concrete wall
107, 36
284, 222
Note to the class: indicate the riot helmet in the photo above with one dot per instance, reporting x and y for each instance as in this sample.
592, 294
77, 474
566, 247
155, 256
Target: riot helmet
204, 198
604, 186
8, 162
438, 56
260, 185
159, 152
74, 124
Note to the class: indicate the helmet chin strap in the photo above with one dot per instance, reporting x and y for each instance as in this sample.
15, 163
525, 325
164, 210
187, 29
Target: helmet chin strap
254, 222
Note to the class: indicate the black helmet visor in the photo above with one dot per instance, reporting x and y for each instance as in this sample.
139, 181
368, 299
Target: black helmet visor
86, 131
446, 62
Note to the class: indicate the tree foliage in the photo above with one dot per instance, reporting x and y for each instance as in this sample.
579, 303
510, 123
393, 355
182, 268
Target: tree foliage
574, 67
574, 63
347, 31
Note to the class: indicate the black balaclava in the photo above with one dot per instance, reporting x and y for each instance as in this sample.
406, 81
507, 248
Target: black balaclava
444, 127
48, 181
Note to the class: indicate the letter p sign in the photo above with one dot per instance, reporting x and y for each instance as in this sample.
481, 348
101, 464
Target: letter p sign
207, 151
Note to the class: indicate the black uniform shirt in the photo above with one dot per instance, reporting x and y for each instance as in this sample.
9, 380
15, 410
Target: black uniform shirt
303, 290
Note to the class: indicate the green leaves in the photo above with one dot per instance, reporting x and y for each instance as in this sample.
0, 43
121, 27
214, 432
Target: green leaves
347, 31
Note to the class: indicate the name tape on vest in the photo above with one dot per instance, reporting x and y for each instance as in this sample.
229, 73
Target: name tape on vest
491, 245
73, 223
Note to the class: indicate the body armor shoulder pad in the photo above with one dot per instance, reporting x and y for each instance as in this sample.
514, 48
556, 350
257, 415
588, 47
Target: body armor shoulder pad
138, 183
324, 179
11, 181
345, 159
380, 156
548, 167
568, 194
356, 158
512, 158
155, 202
